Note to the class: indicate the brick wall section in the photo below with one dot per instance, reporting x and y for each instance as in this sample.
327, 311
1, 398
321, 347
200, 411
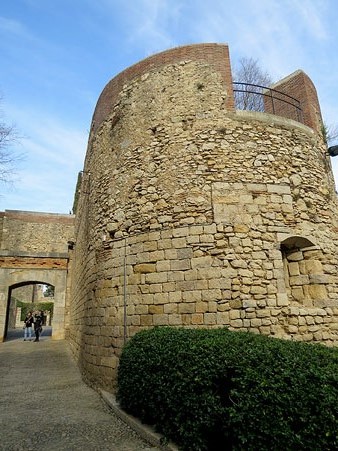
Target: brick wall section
217, 55
299, 86
33, 263
38, 218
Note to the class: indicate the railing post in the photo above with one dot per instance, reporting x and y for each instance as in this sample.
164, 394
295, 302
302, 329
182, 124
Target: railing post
272, 102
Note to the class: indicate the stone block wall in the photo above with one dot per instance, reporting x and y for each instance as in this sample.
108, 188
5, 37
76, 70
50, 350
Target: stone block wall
193, 214
35, 232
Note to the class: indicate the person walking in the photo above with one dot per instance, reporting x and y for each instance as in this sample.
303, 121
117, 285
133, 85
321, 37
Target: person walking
29, 320
37, 325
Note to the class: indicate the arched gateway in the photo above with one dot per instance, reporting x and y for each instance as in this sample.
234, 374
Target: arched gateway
34, 249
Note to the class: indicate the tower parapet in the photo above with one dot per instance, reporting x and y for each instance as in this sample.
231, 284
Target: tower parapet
298, 85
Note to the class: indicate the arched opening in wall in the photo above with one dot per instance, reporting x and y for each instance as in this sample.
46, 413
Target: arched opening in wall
303, 271
24, 297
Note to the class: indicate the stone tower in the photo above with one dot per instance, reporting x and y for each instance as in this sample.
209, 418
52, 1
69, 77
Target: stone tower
192, 213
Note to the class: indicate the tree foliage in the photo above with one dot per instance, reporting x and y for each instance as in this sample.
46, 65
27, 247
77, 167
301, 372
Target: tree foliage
49, 291
32, 306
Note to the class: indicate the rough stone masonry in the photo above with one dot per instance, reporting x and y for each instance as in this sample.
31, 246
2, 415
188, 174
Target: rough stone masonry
192, 213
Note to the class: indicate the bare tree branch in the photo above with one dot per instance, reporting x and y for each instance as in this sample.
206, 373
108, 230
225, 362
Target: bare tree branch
251, 98
330, 133
8, 157
248, 72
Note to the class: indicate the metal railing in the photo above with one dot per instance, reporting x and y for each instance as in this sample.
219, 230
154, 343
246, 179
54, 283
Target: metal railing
251, 97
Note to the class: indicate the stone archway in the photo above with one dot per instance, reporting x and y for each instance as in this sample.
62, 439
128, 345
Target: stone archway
34, 248
31, 294
9, 279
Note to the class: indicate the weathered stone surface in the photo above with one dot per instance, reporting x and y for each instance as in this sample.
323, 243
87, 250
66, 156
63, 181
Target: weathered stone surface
228, 218
145, 268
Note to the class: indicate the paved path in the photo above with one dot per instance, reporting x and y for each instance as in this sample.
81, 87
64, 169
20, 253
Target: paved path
45, 405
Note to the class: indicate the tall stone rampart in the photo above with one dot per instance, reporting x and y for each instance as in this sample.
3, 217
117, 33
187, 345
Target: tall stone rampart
194, 214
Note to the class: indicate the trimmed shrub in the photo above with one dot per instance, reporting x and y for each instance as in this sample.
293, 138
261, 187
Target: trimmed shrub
214, 389
29, 306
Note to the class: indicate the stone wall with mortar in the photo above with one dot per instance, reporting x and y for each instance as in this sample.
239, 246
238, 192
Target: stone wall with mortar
194, 214
34, 249
35, 232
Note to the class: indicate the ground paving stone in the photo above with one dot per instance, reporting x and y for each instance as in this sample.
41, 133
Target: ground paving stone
45, 404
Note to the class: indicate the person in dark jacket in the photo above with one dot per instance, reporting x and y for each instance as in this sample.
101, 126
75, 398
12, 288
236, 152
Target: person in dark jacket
29, 320
38, 318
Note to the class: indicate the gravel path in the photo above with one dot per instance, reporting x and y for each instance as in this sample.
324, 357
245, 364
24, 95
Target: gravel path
45, 405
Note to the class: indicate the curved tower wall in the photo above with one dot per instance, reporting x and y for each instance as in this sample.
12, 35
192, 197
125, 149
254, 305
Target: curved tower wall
194, 214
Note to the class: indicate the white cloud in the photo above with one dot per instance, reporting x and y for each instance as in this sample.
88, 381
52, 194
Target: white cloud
150, 21
49, 136
311, 14
13, 27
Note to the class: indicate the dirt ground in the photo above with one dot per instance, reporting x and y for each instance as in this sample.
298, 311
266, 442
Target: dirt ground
45, 405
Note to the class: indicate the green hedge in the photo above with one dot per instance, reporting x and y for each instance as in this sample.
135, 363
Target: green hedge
222, 390
31, 307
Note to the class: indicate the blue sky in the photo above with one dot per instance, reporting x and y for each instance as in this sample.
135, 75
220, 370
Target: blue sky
57, 56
